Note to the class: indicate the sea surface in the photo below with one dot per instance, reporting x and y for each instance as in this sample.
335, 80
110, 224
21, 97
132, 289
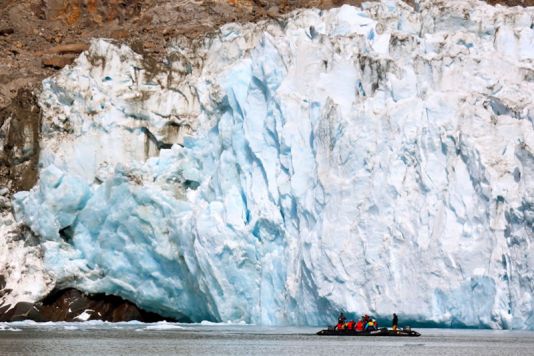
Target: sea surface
134, 338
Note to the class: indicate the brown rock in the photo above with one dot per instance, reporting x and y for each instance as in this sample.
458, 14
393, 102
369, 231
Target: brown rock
126, 311
6, 31
6, 312
69, 48
120, 34
523, 3
57, 62
20, 123
68, 304
26, 311
93, 11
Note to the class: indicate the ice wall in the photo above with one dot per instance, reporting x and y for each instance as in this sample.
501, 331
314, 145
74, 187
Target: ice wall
370, 160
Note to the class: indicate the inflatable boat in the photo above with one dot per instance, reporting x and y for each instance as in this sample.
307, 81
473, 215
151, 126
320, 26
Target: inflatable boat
332, 331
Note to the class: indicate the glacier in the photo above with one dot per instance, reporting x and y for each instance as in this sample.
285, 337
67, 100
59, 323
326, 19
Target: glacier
372, 160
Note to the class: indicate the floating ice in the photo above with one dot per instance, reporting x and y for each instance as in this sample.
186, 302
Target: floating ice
229, 322
163, 326
6, 327
85, 315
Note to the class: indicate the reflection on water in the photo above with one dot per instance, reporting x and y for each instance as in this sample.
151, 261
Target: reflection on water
97, 338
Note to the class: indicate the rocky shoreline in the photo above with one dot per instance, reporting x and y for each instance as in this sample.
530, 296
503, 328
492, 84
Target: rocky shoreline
72, 305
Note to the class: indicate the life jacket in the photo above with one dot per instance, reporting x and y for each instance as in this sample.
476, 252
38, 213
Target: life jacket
350, 325
371, 325
359, 326
339, 326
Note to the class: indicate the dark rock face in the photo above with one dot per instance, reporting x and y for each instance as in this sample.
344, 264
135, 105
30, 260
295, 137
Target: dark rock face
69, 304
19, 142
512, 2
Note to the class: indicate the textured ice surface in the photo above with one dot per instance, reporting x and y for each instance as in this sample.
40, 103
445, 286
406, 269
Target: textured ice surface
370, 160
23, 277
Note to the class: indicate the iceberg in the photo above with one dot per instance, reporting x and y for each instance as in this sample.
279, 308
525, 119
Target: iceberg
372, 160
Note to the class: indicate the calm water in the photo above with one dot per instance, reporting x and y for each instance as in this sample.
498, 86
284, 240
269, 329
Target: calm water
222, 339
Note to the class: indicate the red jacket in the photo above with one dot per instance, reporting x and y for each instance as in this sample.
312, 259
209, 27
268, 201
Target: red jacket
359, 326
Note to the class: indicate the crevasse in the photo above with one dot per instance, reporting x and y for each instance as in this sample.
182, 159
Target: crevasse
375, 159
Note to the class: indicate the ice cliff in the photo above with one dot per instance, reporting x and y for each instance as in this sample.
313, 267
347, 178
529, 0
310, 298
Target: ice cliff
371, 160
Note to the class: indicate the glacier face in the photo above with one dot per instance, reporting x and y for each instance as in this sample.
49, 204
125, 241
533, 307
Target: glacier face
372, 160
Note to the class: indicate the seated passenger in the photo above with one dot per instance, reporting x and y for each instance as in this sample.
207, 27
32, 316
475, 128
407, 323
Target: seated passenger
341, 321
350, 325
359, 325
370, 326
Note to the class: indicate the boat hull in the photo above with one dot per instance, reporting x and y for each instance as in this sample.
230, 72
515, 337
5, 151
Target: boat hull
380, 332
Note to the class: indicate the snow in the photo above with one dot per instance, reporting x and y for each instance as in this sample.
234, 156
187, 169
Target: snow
372, 160
85, 315
163, 326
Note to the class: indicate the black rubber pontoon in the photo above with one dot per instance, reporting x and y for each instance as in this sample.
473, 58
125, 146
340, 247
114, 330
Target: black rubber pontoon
332, 331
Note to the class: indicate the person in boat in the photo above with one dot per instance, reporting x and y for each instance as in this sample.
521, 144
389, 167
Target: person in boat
359, 325
366, 320
371, 325
341, 318
395, 322
349, 325
341, 321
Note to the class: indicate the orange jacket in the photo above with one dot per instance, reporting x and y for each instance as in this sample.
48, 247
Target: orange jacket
359, 326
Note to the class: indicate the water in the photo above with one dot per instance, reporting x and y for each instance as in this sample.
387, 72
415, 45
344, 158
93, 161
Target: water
97, 338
